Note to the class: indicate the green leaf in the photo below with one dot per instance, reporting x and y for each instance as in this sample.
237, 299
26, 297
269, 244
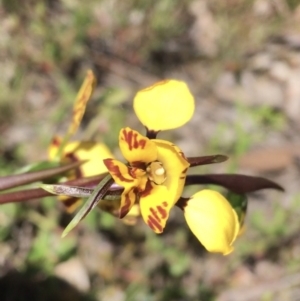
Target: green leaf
98, 193
39, 166
239, 203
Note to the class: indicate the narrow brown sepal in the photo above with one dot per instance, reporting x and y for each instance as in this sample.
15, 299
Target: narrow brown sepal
12, 181
203, 160
23, 195
234, 182
36, 193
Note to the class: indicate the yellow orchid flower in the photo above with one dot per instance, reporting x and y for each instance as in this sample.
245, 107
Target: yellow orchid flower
153, 179
212, 220
62, 150
93, 152
74, 151
154, 176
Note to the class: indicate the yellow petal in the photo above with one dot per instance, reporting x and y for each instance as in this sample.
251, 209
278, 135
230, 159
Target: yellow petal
131, 218
165, 105
175, 166
155, 207
128, 199
77, 150
82, 98
135, 147
212, 220
53, 147
121, 173
132, 179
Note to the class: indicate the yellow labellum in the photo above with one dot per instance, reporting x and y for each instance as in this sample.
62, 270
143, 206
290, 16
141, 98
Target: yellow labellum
212, 220
166, 105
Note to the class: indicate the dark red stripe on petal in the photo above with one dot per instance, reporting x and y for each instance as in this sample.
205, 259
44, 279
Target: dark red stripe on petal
134, 172
73, 158
154, 214
115, 170
162, 82
127, 136
56, 141
69, 202
138, 164
157, 214
125, 209
147, 189
162, 211
150, 224
154, 224
132, 140
138, 143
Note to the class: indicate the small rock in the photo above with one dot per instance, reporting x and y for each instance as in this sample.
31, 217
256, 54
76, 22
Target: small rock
112, 293
242, 277
97, 255
263, 8
261, 61
225, 87
73, 272
266, 270
205, 32
261, 90
292, 103
280, 71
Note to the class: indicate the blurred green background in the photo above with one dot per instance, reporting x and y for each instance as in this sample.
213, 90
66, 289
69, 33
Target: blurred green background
240, 58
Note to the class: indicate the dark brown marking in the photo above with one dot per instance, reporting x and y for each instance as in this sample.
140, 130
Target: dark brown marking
165, 204
125, 209
128, 138
139, 143
69, 202
115, 170
154, 224
162, 82
147, 189
151, 134
135, 141
138, 164
56, 141
154, 214
73, 158
151, 225
133, 171
162, 211
132, 140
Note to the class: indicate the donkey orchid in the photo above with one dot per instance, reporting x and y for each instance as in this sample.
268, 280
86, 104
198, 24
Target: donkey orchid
155, 173
152, 179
